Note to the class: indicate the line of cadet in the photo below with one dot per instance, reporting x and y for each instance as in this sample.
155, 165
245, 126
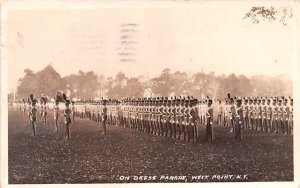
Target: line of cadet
274, 114
170, 117
180, 117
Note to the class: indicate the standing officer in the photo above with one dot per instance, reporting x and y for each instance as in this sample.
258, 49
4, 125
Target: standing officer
67, 114
225, 119
209, 121
56, 113
33, 112
220, 112
29, 107
238, 120
200, 111
231, 114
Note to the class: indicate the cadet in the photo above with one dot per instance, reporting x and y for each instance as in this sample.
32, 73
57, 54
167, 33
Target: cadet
24, 107
160, 117
119, 113
255, 114
238, 120
185, 121
29, 107
104, 116
291, 122
41, 110
73, 111
194, 119
209, 123
220, 112
231, 112
179, 117
225, 119
168, 117
173, 117
251, 114
152, 115
280, 116
147, 116
269, 116
246, 114
44, 111
275, 116
285, 115
204, 110
67, 114
156, 115
136, 112
259, 115
264, 115
33, 112
56, 114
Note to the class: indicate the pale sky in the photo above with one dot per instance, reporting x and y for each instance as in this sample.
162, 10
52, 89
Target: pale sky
188, 38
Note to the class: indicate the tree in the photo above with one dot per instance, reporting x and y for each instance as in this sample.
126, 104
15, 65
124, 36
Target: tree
83, 85
180, 83
162, 85
271, 14
27, 84
133, 89
87, 85
116, 87
46, 81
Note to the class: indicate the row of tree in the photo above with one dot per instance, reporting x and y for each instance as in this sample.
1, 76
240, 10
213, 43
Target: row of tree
88, 85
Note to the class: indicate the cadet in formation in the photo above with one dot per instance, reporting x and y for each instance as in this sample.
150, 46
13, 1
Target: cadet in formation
32, 114
67, 114
274, 114
56, 114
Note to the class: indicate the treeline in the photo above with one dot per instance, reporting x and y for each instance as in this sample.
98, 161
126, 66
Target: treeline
88, 85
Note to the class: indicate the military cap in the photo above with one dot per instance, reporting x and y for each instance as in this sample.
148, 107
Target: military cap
209, 101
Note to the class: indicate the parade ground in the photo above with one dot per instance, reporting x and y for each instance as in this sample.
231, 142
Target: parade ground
128, 156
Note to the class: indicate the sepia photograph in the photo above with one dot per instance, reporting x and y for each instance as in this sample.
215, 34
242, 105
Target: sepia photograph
119, 92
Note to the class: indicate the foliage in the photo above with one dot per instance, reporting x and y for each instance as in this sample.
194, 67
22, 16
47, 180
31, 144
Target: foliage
259, 14
88, 85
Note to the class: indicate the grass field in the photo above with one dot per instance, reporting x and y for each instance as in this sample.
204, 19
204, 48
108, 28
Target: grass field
91, 157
